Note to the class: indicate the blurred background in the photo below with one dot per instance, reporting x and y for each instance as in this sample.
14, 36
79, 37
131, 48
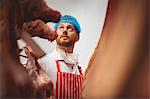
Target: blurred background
119, 66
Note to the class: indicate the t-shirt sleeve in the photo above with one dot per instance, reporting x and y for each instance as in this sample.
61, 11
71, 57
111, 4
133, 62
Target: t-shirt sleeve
49, 65
44, 62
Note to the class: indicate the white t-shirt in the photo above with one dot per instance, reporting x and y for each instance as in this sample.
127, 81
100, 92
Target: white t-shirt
48, 63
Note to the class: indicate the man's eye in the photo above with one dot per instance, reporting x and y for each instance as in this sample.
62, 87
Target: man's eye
61, 27
69, 28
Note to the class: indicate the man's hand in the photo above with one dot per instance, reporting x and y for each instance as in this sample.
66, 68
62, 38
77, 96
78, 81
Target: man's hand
40, 29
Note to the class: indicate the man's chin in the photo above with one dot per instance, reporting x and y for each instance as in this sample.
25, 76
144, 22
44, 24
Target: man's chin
66, 44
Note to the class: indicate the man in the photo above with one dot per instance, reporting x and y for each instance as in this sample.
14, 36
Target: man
62, 65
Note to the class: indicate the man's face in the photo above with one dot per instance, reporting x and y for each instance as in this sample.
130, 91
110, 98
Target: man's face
67, 34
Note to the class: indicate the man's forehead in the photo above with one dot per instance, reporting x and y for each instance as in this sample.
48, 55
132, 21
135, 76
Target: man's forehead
65, 24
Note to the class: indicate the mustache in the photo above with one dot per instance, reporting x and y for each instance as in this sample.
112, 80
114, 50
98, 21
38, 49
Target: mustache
64, 36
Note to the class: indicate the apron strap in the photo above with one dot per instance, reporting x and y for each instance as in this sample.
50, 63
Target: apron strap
80, 70
58, 66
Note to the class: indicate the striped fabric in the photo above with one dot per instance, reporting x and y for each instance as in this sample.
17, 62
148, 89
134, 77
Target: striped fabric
68, 86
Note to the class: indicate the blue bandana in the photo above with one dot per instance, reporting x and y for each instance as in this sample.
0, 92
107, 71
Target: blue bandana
69, 19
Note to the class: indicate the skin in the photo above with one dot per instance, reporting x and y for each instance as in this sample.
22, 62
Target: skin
67, 37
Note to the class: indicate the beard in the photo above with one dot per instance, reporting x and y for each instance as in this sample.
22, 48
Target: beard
65, 43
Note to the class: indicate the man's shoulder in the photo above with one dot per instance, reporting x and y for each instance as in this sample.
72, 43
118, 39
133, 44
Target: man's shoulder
47, 57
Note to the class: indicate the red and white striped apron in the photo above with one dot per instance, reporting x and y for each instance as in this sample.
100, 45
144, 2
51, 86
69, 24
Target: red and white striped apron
68, 86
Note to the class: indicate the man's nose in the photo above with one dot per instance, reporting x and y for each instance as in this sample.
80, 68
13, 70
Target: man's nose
65, 31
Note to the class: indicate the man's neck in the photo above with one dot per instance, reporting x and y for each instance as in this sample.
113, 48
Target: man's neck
66, 49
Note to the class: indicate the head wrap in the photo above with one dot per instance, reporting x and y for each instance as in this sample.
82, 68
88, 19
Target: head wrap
69, 19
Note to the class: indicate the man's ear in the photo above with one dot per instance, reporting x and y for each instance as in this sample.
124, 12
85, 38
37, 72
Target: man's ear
77, 37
